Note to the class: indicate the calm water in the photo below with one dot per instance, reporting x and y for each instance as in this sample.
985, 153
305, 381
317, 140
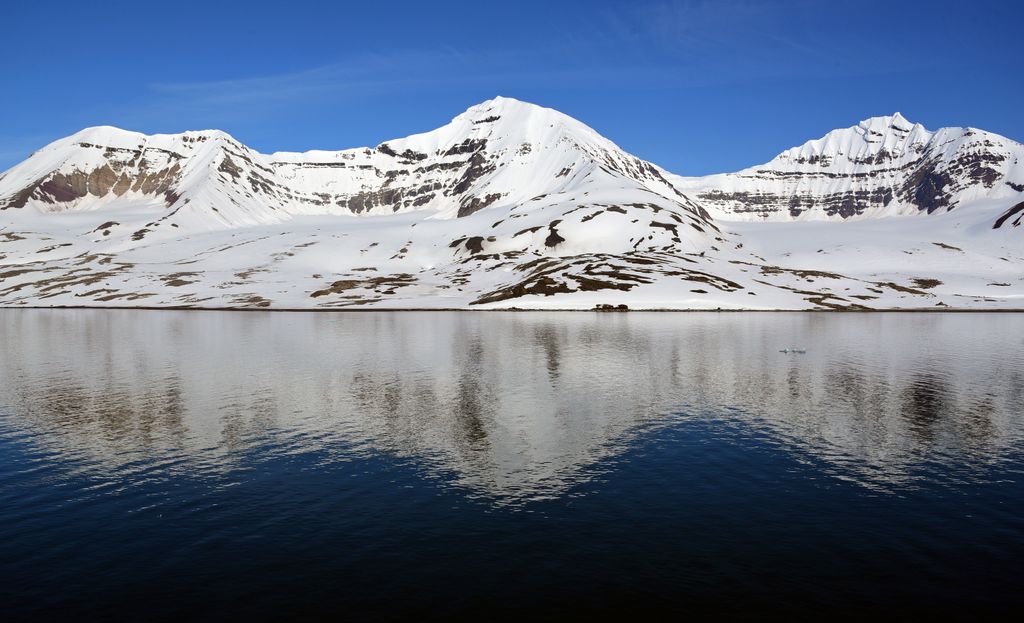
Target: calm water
182, 465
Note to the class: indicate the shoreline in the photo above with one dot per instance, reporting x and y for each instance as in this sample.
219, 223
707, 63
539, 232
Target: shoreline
902, 310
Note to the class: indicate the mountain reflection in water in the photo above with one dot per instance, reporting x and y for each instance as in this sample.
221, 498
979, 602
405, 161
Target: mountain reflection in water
508, 407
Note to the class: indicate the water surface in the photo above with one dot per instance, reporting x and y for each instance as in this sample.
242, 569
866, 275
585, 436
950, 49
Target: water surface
170, 465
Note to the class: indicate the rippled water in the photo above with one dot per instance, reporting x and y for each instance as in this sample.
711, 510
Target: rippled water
170, 465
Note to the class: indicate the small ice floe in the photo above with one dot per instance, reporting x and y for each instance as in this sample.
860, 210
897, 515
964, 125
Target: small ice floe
793, 350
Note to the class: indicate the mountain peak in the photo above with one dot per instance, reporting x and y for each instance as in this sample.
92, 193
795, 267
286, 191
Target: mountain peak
503, 104
104, 134
883, 166
112, 137
895, 121
508, 112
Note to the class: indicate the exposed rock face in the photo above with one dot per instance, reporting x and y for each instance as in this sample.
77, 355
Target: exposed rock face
111, 174
883, 166
1011, 217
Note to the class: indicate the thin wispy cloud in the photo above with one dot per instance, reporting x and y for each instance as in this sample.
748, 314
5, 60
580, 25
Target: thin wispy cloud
379, 74
373, 71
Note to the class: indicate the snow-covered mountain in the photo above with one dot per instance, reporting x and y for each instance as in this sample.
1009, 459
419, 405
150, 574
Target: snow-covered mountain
884, 166
512, 204
499, 153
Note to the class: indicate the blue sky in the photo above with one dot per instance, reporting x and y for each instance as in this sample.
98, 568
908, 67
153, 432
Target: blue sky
697, 87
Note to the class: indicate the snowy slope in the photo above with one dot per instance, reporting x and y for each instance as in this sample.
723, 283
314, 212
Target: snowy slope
884, 166
511, 205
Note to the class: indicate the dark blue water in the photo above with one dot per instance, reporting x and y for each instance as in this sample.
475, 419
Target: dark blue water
184, 465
